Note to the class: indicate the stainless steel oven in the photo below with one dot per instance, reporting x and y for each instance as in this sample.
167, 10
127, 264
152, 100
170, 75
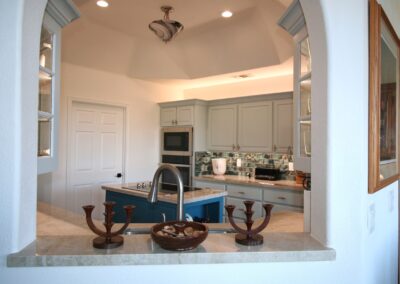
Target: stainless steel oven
184, 165
176, 141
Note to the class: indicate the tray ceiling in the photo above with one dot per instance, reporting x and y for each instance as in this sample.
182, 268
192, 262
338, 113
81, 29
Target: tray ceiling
117, 38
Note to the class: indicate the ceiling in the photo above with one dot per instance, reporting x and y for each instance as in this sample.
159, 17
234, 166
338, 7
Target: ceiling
117, 39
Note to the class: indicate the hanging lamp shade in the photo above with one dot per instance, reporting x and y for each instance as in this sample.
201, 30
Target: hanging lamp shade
166, 29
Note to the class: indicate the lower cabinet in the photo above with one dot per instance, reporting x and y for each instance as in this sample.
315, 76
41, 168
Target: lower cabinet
206, 184
240, 208
282, 199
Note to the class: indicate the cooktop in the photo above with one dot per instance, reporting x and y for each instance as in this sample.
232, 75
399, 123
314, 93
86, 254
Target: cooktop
164, 187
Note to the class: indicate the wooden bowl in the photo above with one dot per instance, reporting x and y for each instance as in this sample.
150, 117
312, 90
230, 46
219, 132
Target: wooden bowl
177, 238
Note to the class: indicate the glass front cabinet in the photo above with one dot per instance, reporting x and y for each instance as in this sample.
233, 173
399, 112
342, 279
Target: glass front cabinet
302, 103
294, 23
57, 15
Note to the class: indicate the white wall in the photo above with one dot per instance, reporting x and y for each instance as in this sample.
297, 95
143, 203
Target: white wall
339, 168
140, 99
245, 88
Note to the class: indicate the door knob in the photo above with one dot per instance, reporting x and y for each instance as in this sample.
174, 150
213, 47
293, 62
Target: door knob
118, 175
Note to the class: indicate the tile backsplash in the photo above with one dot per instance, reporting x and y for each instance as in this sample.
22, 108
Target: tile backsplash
250, 161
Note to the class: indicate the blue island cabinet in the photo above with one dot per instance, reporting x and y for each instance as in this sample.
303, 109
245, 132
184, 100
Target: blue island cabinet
146, 212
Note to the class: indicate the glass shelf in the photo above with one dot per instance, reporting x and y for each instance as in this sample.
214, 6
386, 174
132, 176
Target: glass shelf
46, 49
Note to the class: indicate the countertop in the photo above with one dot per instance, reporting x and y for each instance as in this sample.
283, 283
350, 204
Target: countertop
60, 245
189, 197
242, 180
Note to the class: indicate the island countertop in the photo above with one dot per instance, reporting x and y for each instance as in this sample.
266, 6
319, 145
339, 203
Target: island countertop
243, 180
189, 197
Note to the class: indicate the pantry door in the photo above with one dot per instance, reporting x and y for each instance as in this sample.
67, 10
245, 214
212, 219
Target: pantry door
95, 154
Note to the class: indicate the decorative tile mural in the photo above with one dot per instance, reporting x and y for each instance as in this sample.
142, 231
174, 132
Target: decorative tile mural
250, 161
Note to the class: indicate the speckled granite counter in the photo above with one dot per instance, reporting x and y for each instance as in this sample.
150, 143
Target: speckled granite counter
189, 197
141, 250
242, 180
60, 245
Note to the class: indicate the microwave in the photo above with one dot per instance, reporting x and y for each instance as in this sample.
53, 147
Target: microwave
176, 141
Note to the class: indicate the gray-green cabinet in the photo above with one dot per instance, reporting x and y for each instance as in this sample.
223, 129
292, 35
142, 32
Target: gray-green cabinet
262, 126
177, 115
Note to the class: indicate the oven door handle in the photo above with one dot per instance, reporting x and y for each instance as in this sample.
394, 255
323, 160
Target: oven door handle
177, 165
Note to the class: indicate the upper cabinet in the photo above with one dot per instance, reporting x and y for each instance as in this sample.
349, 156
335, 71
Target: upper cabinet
222, 127
176, 115
283, 126
294, 23
255, 127
187, 113
58, 13
259, 126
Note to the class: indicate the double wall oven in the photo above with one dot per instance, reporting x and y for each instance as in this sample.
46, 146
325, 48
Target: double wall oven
176, 149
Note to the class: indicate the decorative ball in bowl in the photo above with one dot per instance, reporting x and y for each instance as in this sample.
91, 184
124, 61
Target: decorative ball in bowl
179, 235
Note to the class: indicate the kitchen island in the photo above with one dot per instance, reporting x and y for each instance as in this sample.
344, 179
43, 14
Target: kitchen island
204, 204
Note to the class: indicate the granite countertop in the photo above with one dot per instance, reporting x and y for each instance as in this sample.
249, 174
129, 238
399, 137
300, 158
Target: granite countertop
189, 197
60, 245
242, 180
142, 250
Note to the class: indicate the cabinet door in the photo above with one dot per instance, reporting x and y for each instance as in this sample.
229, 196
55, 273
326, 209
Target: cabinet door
284, 197
283, 125
255, 127
245, 192
222, 125
184, 115
167, 116
205, 184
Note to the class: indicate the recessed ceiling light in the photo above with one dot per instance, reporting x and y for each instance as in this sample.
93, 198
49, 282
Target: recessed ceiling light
102, 3
226, 14
242, 76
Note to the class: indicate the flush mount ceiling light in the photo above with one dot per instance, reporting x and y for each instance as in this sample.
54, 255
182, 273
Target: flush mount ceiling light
102, 3
166, 29
226, 14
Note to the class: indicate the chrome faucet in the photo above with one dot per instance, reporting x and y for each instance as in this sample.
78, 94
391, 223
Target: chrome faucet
152, 198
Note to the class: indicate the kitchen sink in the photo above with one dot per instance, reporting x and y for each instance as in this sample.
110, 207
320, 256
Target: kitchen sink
144, 231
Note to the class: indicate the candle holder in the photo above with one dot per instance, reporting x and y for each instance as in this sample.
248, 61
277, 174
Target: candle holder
249, 237
107, 239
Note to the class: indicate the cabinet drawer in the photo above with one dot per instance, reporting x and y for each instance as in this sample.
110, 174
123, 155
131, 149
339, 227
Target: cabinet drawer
280, 208
240, 208
285, 197
204, 184
244, 192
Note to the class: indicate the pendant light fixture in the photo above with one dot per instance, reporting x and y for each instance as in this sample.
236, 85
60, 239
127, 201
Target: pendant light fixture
166, 29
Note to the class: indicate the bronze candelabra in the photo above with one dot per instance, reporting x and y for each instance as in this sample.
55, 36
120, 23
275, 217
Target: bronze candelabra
107, 239
249, 237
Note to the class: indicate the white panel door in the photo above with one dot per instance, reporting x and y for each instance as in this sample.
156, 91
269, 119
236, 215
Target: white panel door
283, 125
255, 127
222, 127
167, 116
95, 154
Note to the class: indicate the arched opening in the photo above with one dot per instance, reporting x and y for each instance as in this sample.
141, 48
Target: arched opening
320, 127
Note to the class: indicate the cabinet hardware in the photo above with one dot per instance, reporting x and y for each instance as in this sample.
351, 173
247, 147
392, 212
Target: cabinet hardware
282, 198
241, 192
